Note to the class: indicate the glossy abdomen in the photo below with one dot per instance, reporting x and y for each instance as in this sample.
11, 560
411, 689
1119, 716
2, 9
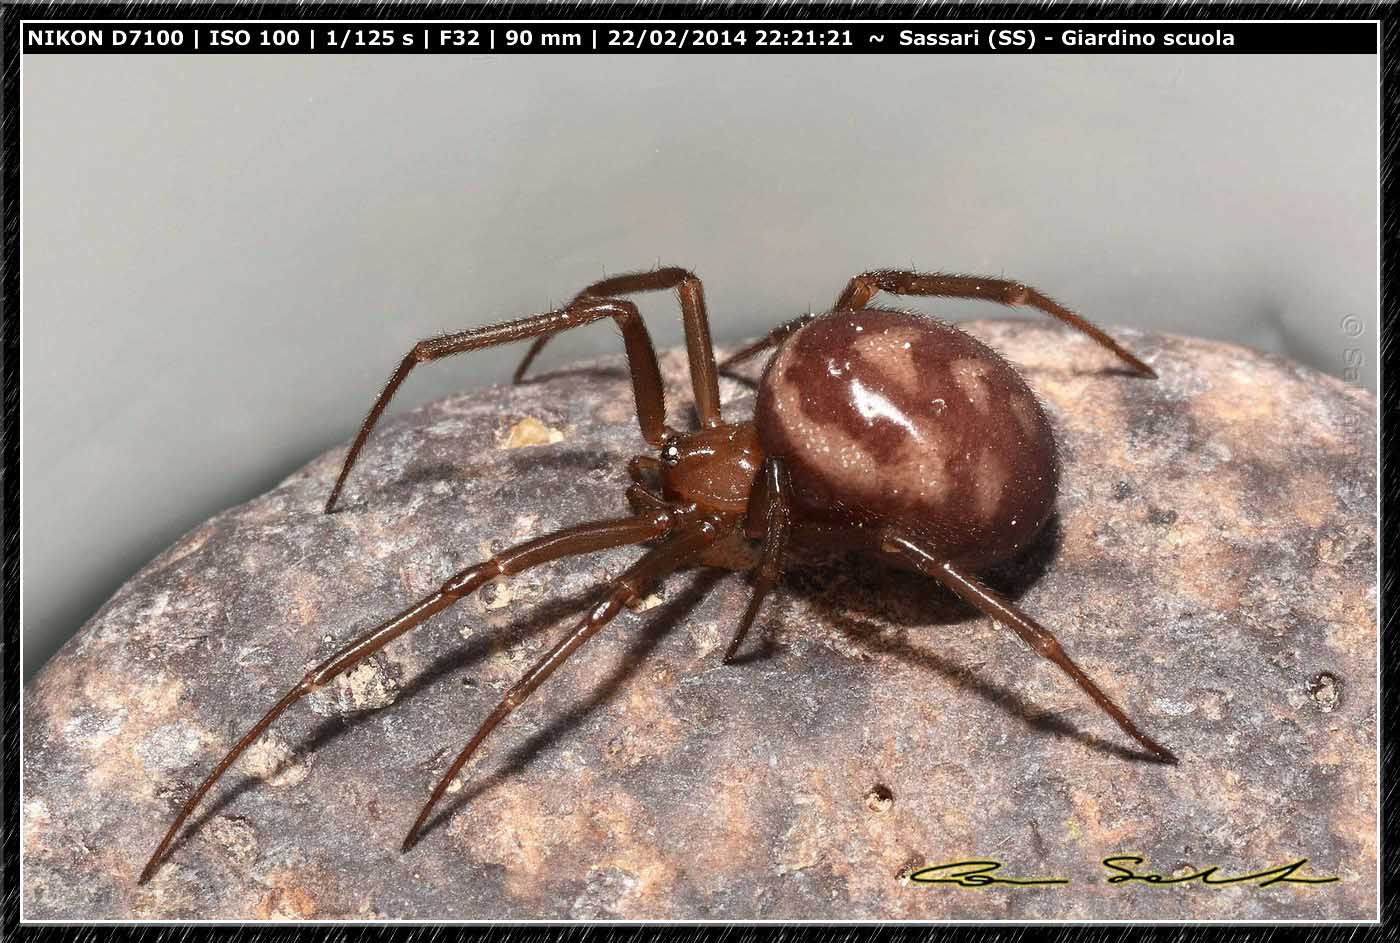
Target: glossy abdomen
894, 420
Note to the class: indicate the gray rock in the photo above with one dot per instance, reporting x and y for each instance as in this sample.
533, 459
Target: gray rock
1212, 565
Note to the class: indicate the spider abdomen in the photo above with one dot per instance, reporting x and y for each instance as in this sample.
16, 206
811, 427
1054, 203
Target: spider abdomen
895, 421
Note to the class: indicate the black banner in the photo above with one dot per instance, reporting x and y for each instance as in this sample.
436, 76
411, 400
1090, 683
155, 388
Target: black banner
313, 36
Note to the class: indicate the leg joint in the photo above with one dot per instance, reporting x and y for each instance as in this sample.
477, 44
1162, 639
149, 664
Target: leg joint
470, 580
610, 606
624, 312
662, 278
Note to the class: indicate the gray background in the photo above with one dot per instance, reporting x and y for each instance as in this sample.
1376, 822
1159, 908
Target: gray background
223, 258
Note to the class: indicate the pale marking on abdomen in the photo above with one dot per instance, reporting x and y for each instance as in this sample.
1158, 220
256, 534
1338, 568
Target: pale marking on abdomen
1025, 415
988, 484
917, 476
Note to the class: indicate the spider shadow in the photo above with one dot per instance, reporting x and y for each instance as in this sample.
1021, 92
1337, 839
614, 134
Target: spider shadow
596, 372
574, 463
1006, 700
534, 622
912, 600
651, 634
838, 584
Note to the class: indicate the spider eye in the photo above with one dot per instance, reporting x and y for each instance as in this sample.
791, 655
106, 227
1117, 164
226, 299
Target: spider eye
671, 454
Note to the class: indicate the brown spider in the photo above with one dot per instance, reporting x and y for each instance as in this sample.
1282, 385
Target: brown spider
878, 430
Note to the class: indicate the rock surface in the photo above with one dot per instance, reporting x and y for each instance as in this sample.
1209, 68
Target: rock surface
1212, 565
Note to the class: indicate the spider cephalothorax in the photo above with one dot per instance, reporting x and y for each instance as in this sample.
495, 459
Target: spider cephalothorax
716, 468
875, 430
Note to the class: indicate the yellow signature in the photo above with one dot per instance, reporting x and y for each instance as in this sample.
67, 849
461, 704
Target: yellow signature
981, 873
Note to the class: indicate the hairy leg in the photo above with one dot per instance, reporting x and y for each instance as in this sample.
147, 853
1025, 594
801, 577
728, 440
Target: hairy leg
777, 519
772, 339
864, 287
703, 374
1039, 638
583, 538
687, 542
641, 358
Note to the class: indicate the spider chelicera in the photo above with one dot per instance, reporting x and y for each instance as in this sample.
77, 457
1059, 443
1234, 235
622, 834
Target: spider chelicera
876, 430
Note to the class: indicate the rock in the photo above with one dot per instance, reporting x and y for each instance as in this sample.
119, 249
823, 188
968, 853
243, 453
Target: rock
1212, 565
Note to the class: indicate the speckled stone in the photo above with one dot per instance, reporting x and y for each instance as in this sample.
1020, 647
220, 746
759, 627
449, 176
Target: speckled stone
1212, 564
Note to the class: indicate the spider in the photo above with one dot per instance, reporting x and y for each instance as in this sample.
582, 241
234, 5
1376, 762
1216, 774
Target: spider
876, 430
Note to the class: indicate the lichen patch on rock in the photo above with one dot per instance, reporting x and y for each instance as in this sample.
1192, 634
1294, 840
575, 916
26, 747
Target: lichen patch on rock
273, 760
370, 685
530, 431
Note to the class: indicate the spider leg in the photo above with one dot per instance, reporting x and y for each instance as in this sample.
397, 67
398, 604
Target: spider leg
1032, 633
640, 497
703, 375
642, 500
775, 336
641, 359
687, 542
862, 288
777, 518
639, 465
572, 541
